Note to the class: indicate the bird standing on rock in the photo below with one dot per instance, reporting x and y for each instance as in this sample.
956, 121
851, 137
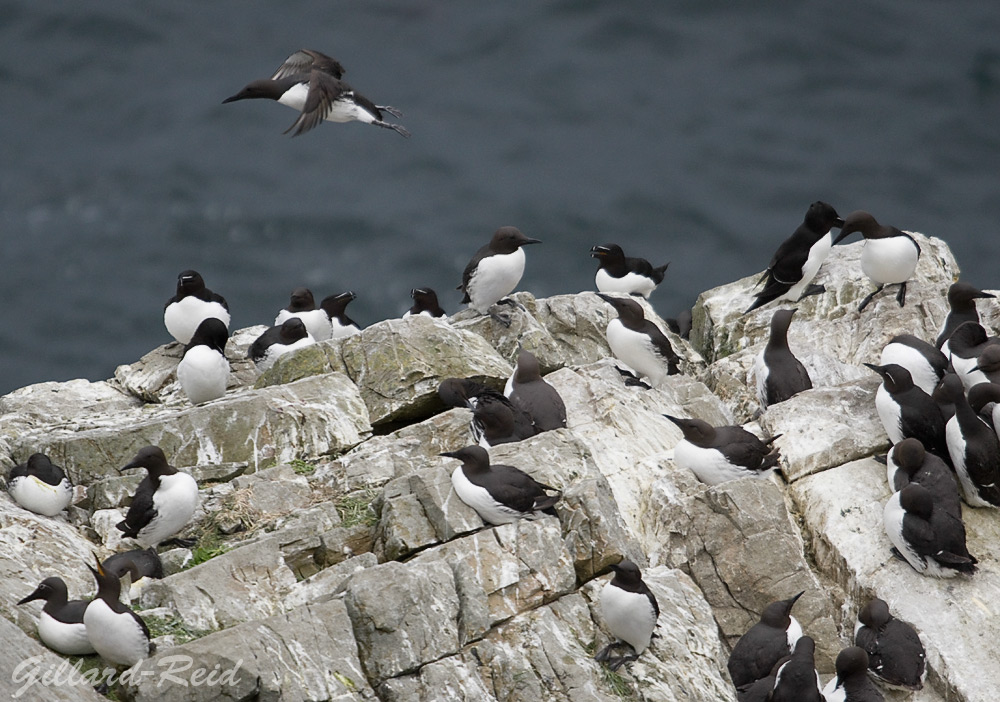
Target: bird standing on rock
118, 634
638, 343
895, 654
927, 537
889, 256
905, 410
765, 643
718, 454
495, 271
780, 375
630, 612
618, 273
60, 624
798, 259
527, 390
191, 305
163, 503
961, 308
203, 373
425, 303
974, 449
309, 82
302, 304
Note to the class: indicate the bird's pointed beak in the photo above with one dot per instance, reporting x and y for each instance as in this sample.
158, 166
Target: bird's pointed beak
675, 420
796, 598
128, 466
100, 568
844, 233
232, 98
526, 241
38, 594
606, 298
983, 294
449, 454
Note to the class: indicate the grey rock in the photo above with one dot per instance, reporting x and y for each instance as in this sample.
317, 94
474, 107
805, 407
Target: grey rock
27, 665
328, 583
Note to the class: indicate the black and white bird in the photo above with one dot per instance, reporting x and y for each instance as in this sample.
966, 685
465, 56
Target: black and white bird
495, 270
618, 273
984, 399
638, 342
797, 679
974, 449
40, 486
118, 634
926, 363
142, 564
779, 374
302, 304
765, 643
986, 370
277, 341
851, 683
163, 503
961, 308
425, 302
496, 421
907, 462
335, 306
60, 623
630, 612
718, 454
895, 654
925, 535
889, 256
905, 410
528, 391
798, 259
310, 82
191, 305
203, 373
964, 347
500, 494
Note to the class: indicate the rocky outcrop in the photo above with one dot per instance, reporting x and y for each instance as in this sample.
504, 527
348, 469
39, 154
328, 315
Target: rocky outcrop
335, 561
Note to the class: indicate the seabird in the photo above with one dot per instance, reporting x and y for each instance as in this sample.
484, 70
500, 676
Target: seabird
630, 612
718, 454
203, 373
987, 368
425, 302
638, 343
797, 679
905, 410
117, 633
964, 347
495, 270
496, 421
895, 654
851, 683
907, 462
798, 259
192, 304
926, 363
528, 391
335, 307
142, 565
60, 624
163, 503
931, 540
780, 375
961, 308
310, 82
974, 449
500, 494
889, 256
982, 395
765, 643
277, 341
40, 486
618, 273
302, 304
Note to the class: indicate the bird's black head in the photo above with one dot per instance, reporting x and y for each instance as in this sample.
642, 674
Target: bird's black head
189, 282
152, 459
858, 221
507, 240
301, 300
211, 332
626, 573
607, 251
258, 89
874, 614
293, 329
47, 588
627, 309
334, 305
821, 217
697, 431
474, 458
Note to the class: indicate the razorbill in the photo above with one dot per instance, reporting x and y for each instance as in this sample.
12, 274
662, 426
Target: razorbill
335, 307
718, 454
895, 654
905, 410
495, 270
192, 303
40, 486
925, 535
163, 503
528, 391
851, 683
779, 374
118, 634
964, 347
907, 462
926, 363
796, 679
425, 302
618, 273
309, 82
974, 449
889, 256
961, 308
798, 259
60, 623
302, 304
630, 612
203, 373
277, 341
638, 343
765, 643
500, 494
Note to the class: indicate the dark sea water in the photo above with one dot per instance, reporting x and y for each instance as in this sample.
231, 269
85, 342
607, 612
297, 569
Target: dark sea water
695, 132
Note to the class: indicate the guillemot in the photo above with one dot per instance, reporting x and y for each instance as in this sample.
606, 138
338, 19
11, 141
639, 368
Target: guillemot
961, 308
765, 643
630, 612
927, 537
495, 270
851, 683
889, 256
638, 342
302, 304
118, 634
895, 654
163, 503
779, 374
277, 341
528, 391
718, 454
60, 623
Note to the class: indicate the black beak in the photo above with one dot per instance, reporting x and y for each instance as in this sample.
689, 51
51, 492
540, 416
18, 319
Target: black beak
38, 594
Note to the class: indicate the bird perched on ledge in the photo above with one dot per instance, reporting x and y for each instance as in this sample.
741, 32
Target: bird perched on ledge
309, 81
889, 256
618, 273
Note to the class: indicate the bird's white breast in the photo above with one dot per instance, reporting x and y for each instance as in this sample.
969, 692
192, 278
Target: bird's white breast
182, 318
276, 351
890, 413
317, 322
760, 372
708, 465
68, 639
817, 255
956, 450
480, 500
890, 260
203, 374
39, 497
636, 351
118, 638
629, 616
175, 502
495, 277
629, 284
892, 519
341, 331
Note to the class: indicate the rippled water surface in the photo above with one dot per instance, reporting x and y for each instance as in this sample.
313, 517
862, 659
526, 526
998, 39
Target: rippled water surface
694, 132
